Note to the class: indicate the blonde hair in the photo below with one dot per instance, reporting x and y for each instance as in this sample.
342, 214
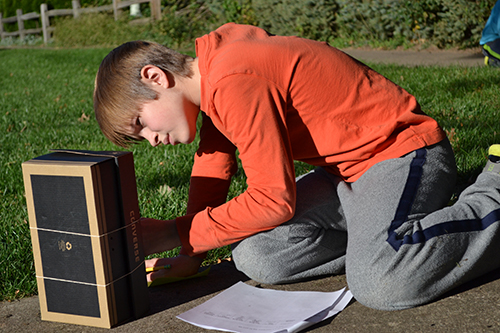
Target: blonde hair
119, 92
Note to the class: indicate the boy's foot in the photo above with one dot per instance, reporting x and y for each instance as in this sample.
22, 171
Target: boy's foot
492, 62
491, 58
493, 164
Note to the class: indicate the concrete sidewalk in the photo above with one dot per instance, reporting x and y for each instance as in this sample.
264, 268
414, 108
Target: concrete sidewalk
472, 308
428, 57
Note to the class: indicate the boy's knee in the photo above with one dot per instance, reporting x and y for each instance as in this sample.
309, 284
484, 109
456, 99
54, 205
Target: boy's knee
387, 293
259, 265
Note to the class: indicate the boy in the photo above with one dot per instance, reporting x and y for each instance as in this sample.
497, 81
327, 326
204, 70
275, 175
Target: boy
373, 207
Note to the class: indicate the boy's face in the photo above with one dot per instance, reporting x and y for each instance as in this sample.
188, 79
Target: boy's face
170, 119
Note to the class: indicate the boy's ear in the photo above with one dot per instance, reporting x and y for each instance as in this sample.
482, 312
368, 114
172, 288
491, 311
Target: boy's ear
155, 76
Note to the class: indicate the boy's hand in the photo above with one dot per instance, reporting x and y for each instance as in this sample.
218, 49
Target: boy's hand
180, 266
158, 235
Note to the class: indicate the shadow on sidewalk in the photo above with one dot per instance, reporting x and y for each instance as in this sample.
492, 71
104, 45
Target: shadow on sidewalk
220, 277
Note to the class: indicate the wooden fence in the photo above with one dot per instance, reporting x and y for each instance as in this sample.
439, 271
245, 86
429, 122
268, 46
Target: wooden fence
45, 15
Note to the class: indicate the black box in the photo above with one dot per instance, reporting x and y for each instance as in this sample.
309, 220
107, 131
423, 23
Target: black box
83, 213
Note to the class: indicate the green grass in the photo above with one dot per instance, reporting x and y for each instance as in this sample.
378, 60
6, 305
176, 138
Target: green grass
465, 101
46, 102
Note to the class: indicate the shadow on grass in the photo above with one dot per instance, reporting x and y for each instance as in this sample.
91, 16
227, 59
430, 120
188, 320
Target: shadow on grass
170, 177
470, 85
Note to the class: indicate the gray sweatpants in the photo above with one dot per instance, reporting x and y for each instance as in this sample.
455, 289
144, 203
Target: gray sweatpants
391, 231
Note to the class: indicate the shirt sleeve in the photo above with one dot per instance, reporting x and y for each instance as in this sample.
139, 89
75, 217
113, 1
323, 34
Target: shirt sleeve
214, 165
250, 114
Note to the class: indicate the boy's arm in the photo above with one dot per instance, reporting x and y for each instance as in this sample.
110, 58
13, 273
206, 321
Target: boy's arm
210, 188
159, 236
214, 165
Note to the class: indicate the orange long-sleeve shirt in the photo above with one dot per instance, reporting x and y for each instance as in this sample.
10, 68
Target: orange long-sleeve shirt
277, 99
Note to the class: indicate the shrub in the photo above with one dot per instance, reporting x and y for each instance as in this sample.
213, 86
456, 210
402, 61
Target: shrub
237, 11
441, 22
309, 19
461, 22
183, 21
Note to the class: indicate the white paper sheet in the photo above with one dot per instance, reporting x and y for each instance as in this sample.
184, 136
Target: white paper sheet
243, 308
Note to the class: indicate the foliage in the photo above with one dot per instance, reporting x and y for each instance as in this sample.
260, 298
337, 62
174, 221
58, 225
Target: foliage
310, 19
440, 22
444, 23
29, 40
461, 22
241, 12
9, 7
95, 3
374, 20
183, 21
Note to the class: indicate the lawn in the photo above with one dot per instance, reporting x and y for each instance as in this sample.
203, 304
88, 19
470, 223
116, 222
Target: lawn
46, 103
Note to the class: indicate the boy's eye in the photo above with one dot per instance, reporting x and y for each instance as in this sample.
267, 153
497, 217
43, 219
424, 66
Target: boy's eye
138, 122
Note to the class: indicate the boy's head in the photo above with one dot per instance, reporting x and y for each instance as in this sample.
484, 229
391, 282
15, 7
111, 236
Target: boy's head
119, 91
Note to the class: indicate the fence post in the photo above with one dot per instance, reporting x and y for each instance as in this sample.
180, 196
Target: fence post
76, 8
45, 22
20, 23
1, 26
155, 9
116, 11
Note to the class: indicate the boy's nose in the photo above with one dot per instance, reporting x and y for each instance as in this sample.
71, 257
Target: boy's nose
153, 139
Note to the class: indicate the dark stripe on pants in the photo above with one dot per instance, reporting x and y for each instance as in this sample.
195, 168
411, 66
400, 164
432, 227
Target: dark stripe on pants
422, 236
